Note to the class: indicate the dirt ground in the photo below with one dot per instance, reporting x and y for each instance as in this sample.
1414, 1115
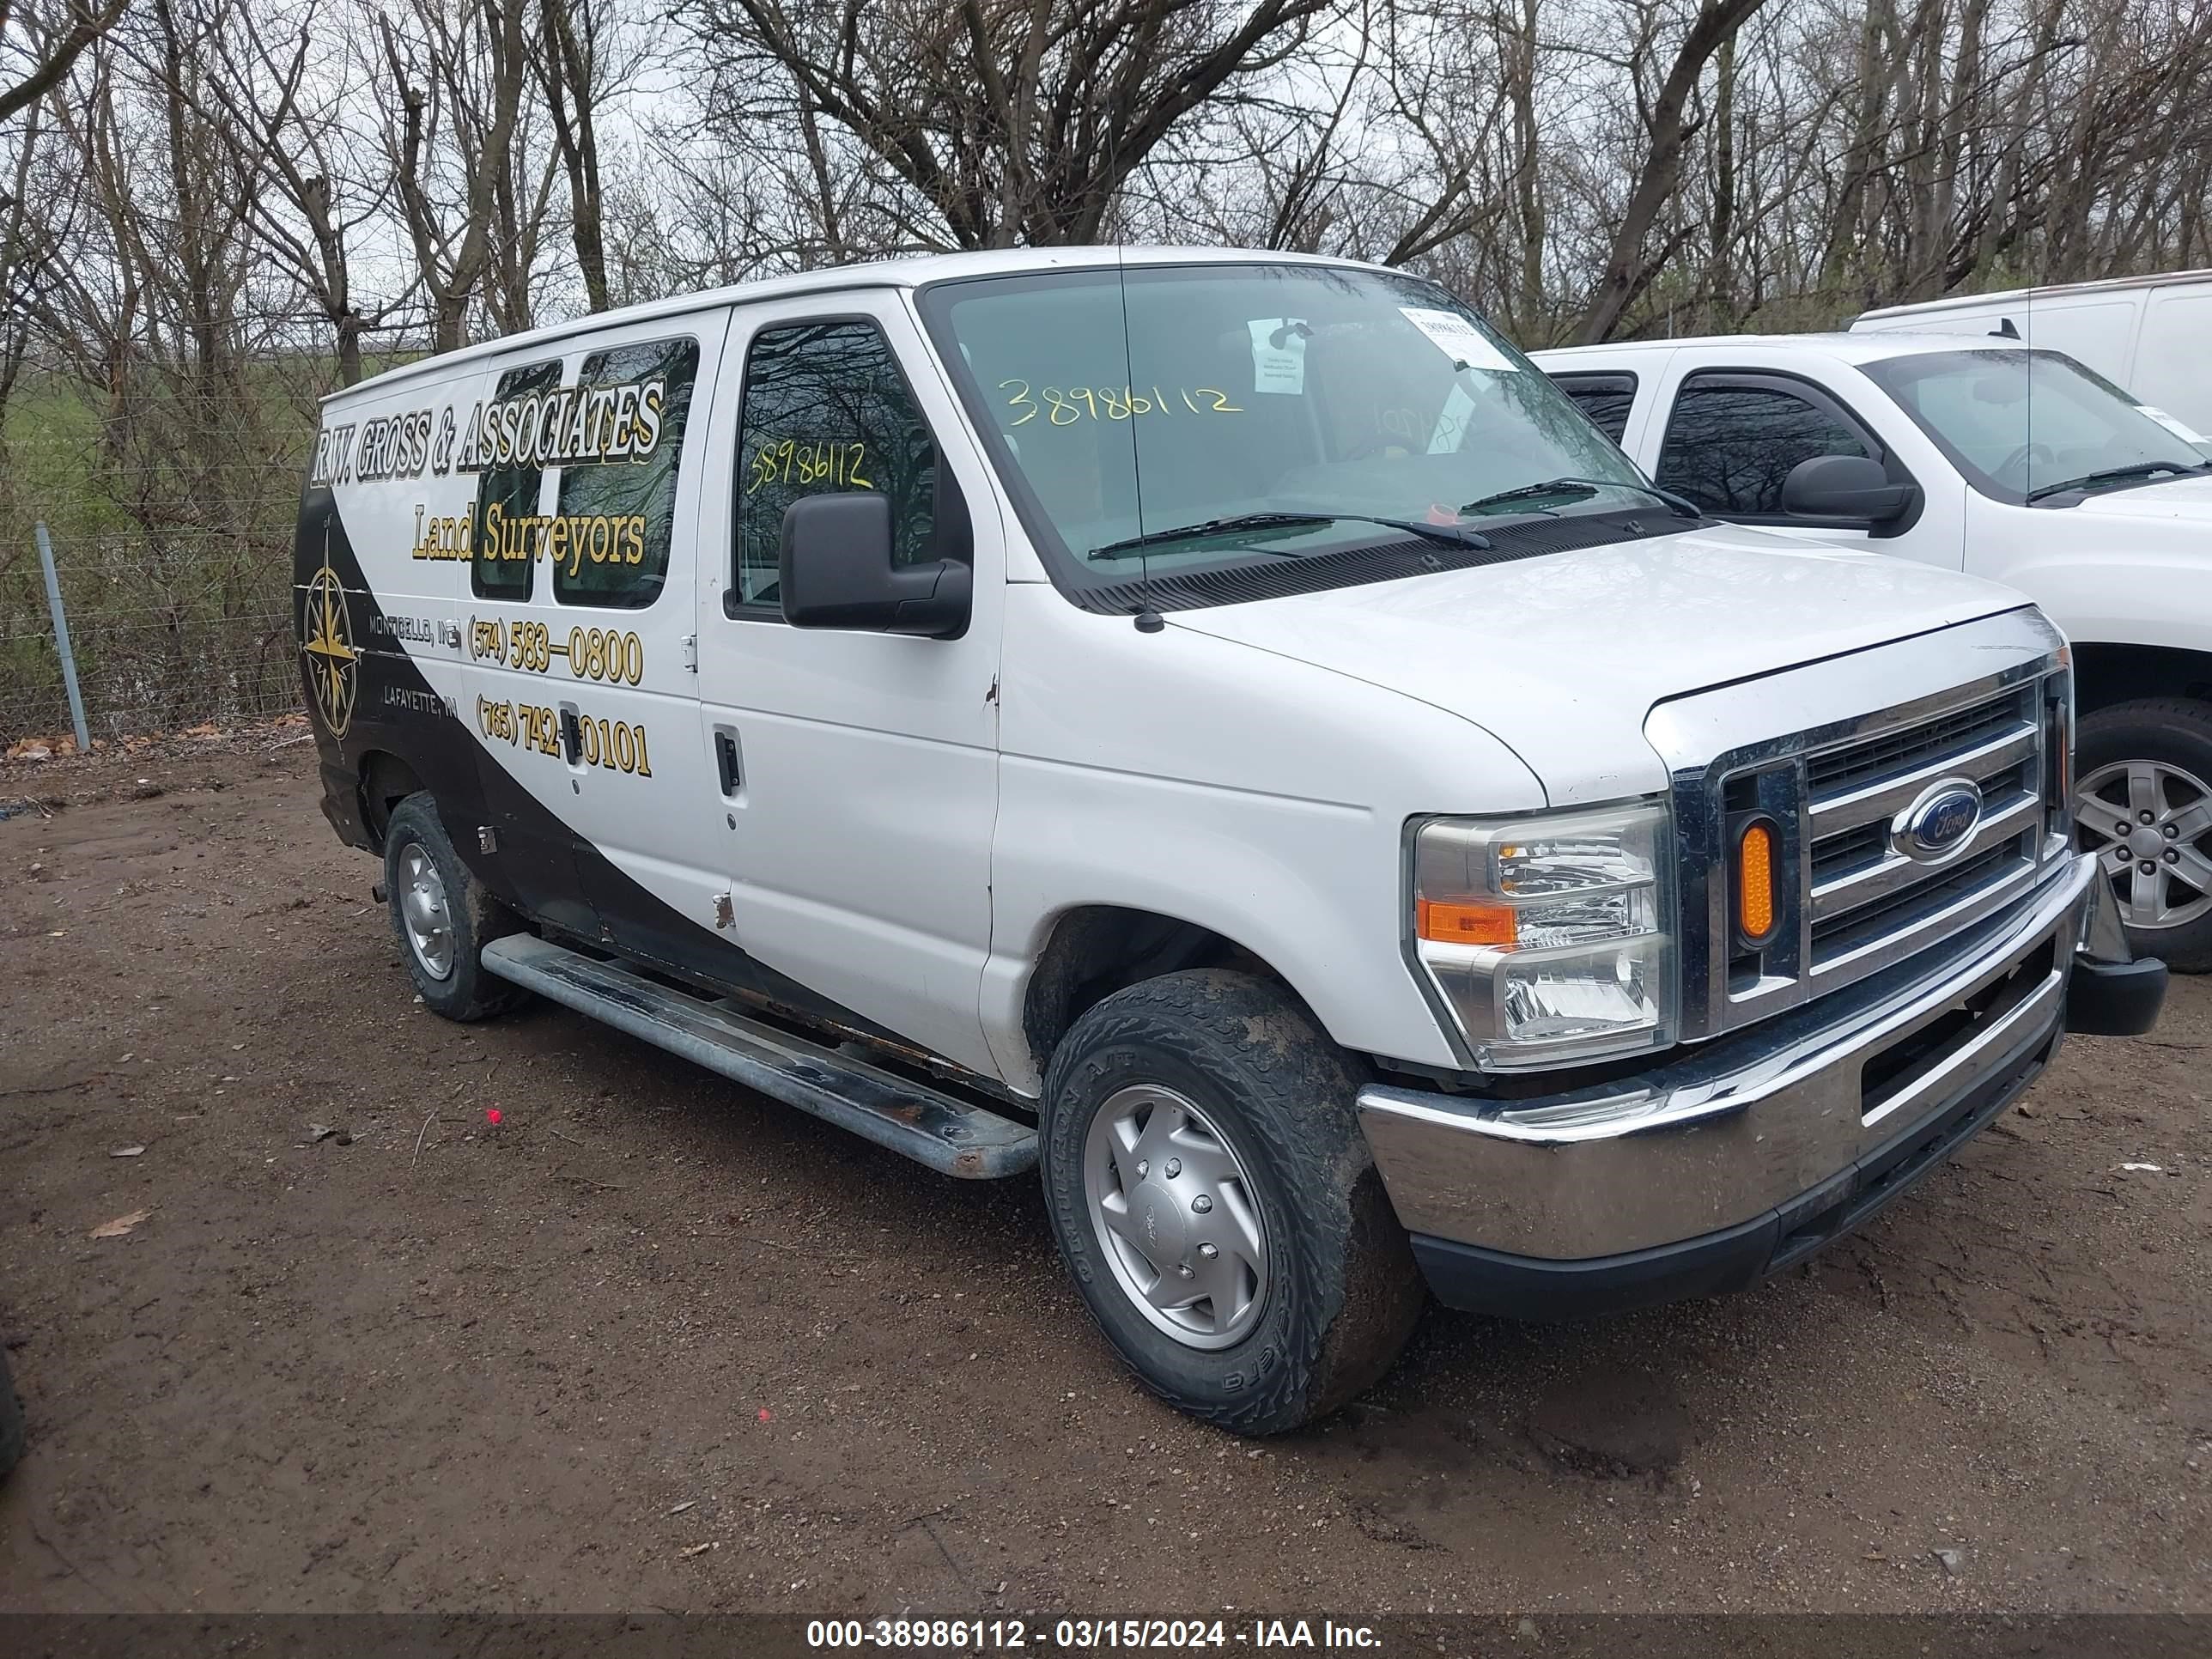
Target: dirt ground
653, 1342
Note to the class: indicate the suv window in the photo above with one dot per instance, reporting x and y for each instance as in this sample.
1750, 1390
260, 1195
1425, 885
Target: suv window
1606, 398
608, 540
1730, 445
2021, 421
826, 410
500, 564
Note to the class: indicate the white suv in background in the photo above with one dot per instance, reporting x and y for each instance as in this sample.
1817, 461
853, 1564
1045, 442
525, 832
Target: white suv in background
1978, 454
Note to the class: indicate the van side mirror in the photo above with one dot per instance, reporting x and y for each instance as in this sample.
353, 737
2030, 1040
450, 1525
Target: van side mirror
836, 571
1846, 487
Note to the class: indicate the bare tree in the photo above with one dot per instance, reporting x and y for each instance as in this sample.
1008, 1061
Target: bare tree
450, 83
284, 107
1631, 260
581, 61
50, 45
1013, 120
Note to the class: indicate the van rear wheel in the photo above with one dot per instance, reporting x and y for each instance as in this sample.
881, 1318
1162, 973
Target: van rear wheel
1213, 1196
442, 916
2142, 804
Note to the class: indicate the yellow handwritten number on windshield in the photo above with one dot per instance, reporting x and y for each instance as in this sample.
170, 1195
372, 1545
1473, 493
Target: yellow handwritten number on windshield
1105, 402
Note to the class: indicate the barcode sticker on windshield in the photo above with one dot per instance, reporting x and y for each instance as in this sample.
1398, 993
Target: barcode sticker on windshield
1278, 355
2173, 426
1457, 338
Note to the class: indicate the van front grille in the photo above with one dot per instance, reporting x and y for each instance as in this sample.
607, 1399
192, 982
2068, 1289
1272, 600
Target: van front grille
1862, 892
1849, 849
1846, 767
1855, 892
1838, 935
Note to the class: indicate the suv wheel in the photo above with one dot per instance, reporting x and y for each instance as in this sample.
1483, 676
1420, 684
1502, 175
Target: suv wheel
1213, 1197
2142, 803
442, 916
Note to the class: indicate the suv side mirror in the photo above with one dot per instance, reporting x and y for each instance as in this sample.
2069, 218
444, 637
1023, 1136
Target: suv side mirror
1846, 487
836, 571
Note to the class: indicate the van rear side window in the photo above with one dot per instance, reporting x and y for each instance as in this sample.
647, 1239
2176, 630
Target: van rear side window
500, 569
827, 410
608, 544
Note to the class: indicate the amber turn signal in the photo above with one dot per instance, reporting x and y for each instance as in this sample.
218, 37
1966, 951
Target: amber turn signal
1755, 882
1464, 924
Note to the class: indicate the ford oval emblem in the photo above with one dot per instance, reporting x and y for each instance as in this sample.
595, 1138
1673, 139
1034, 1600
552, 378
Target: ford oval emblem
1939, 822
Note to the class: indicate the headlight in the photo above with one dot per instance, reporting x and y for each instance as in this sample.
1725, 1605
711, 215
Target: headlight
1549, 938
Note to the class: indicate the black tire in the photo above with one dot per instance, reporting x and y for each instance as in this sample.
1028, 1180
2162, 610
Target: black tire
465, 992
11, 1420
2176, 732
1343, 1293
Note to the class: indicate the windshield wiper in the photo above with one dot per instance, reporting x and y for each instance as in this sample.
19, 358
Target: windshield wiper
1578, 487
2140, 473
1449, 535
1434, 532
1217, 527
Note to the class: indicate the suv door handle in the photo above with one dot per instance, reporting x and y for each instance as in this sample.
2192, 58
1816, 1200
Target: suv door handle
726, 761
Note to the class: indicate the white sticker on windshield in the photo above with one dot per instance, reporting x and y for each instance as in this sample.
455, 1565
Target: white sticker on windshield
1278, 355
1457, 338
2173, 426
1451, 423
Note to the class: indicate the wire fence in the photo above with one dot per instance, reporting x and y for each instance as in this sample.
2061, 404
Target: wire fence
168, 632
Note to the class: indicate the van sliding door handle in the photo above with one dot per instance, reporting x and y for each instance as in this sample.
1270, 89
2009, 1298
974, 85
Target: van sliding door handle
726, 760
572, 737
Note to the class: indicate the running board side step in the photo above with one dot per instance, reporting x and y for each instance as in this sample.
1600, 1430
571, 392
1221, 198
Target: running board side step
926, 1125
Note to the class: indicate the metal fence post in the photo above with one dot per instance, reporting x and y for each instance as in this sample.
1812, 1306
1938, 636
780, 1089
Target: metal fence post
61, 639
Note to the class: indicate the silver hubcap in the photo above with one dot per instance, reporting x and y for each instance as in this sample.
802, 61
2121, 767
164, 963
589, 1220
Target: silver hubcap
422, 908
2150, 826
1177, 1215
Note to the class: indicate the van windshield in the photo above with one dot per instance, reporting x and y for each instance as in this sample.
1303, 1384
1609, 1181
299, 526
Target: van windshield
2027, 425
1159, 418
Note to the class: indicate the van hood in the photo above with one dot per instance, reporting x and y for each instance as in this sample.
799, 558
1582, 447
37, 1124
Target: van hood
1560, 657
2177, 501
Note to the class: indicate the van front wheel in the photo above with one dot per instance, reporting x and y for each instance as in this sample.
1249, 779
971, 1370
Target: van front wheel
1213, 1196
442, 916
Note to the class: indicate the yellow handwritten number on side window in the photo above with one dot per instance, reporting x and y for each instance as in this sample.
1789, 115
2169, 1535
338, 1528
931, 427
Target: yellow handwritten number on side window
808, 464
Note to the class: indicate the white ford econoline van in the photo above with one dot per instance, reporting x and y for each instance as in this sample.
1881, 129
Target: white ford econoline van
2151, 335
1160, 717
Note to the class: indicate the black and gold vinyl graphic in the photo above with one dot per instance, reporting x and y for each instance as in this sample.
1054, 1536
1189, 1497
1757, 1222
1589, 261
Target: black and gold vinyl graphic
333, 662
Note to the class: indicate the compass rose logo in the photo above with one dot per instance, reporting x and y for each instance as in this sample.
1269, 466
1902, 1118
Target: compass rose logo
327, 637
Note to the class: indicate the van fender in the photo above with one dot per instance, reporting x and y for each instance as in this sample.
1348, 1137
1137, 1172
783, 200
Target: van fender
1337, 943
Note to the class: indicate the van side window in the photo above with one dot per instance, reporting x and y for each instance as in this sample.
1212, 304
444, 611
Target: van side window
825, 409
608, 541
1730, 444
500, 567
1606, 398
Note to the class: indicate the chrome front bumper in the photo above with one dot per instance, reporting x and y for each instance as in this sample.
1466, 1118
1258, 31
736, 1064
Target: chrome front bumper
1795, 1119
